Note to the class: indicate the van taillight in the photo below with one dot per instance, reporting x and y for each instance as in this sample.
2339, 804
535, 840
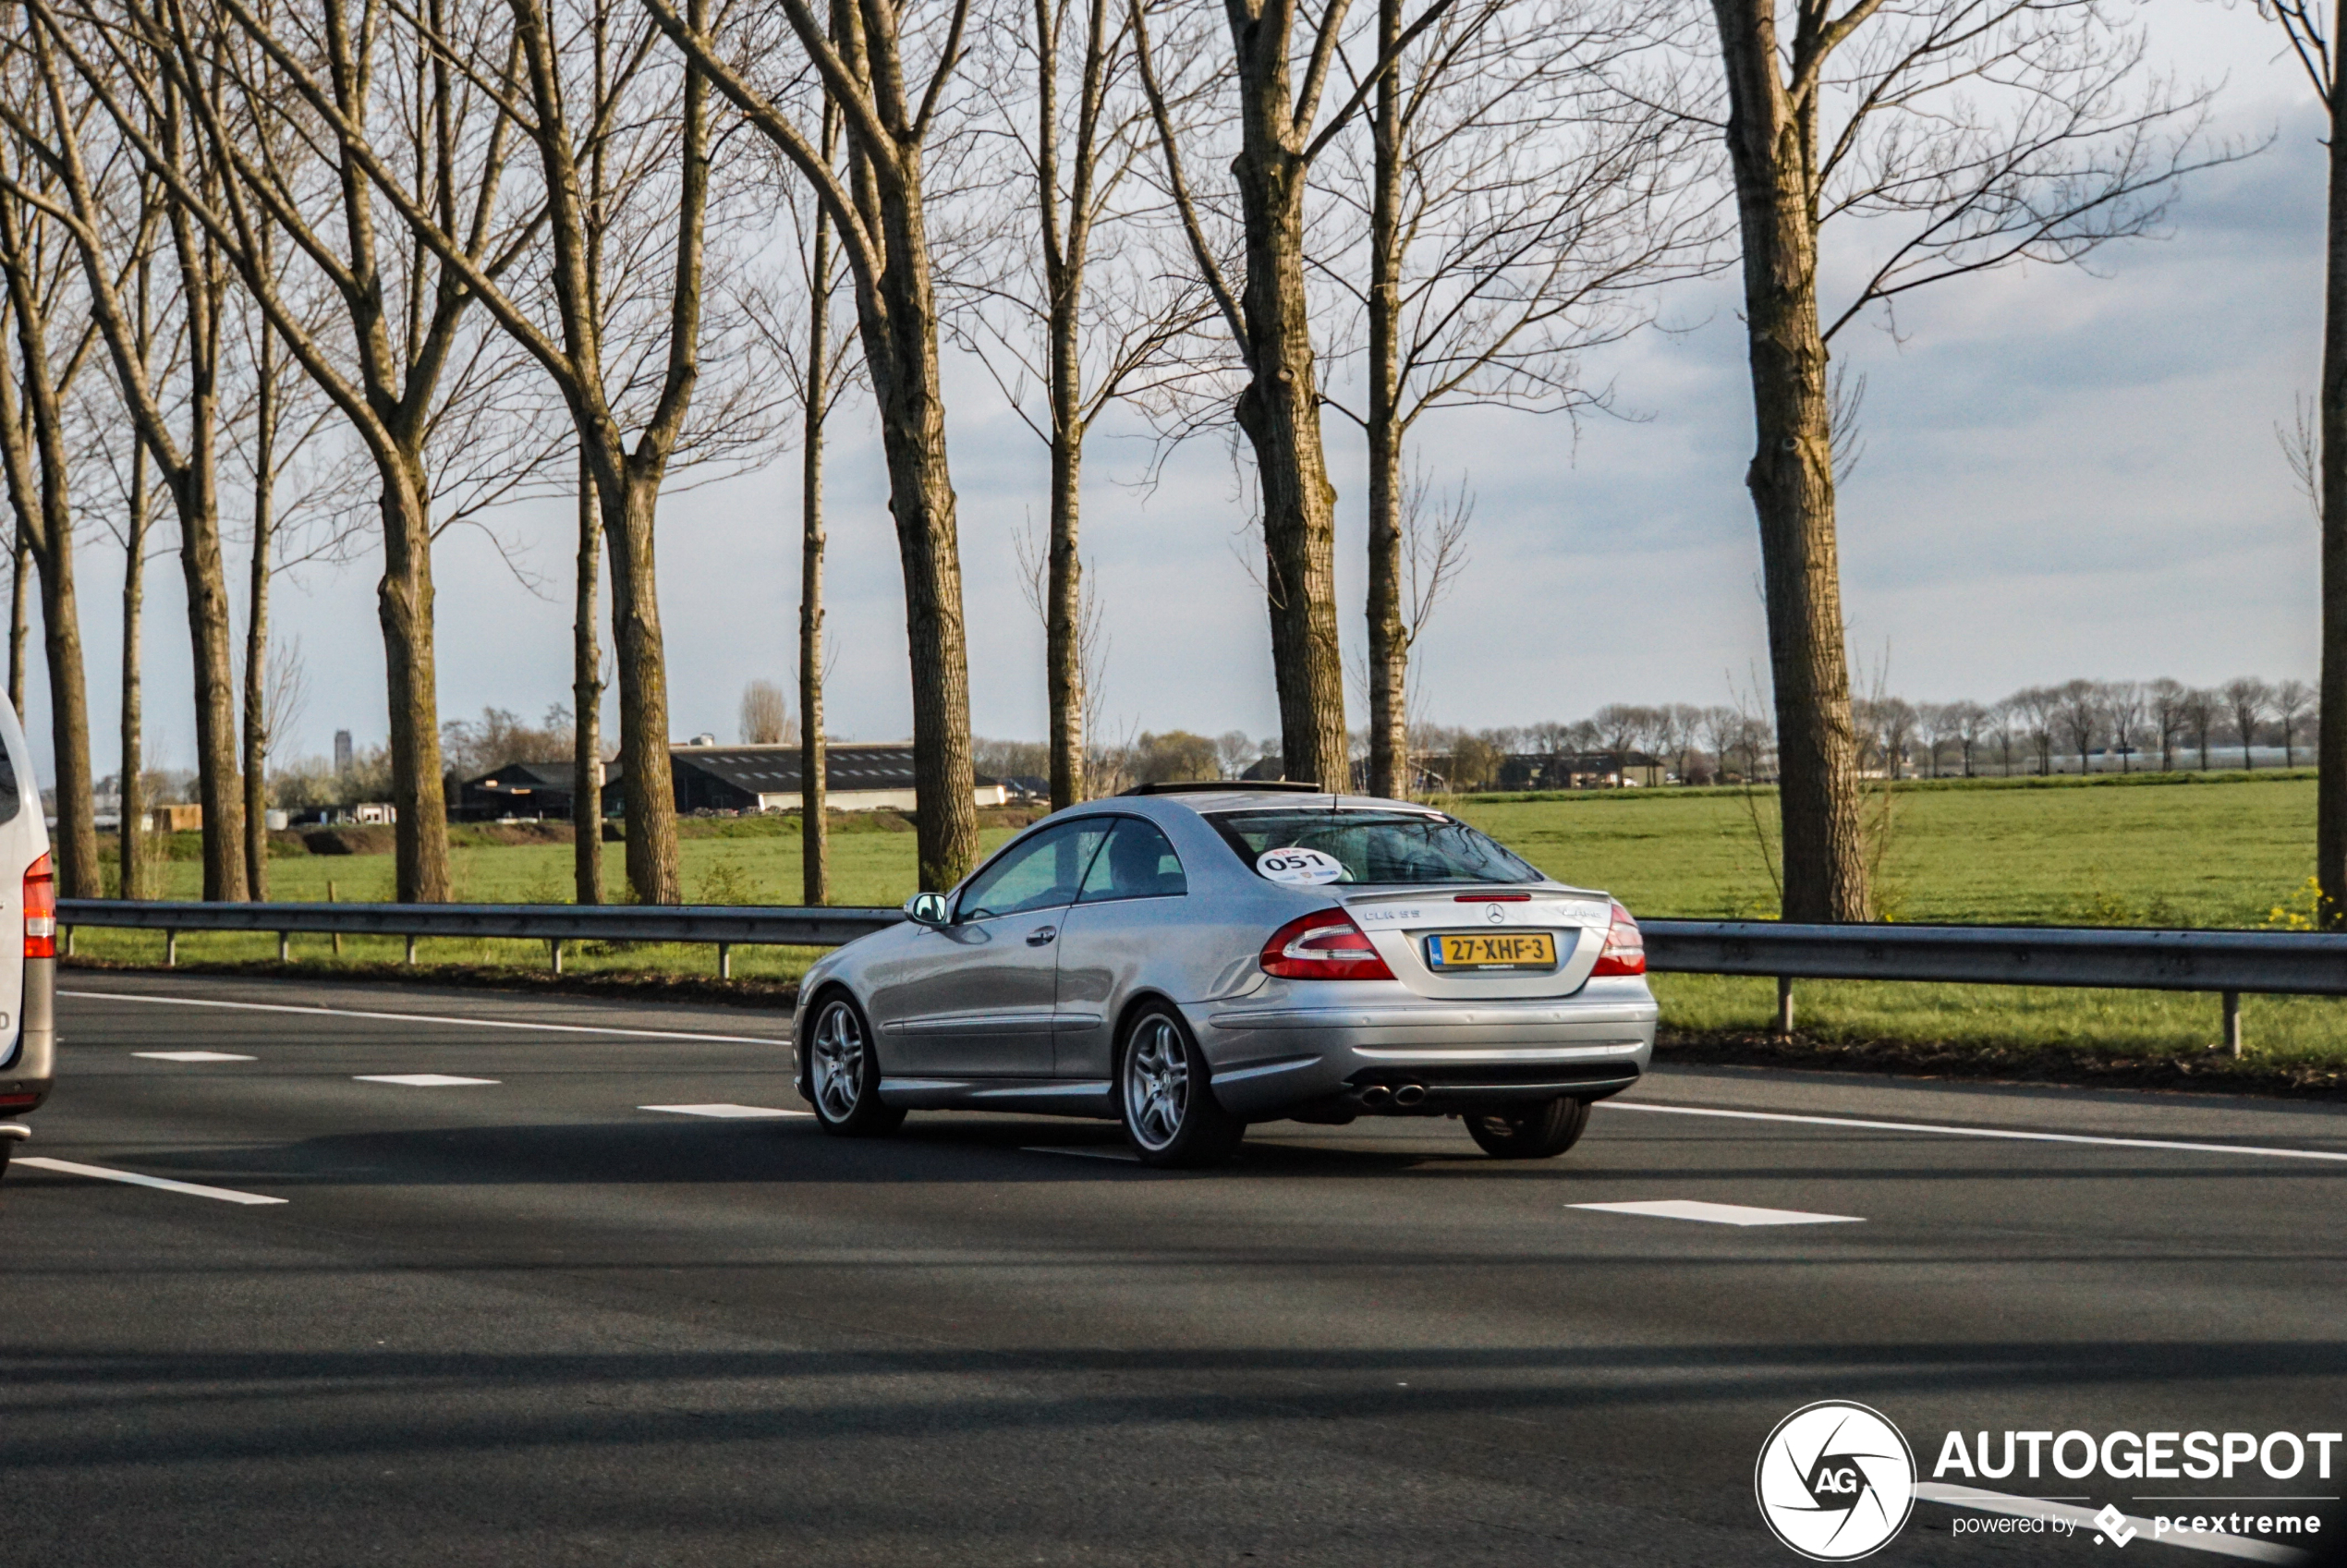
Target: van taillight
41, 909
1625, 952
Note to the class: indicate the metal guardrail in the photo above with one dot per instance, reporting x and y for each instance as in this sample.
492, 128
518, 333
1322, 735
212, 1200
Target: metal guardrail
2291, 963
2226, 963
722, 925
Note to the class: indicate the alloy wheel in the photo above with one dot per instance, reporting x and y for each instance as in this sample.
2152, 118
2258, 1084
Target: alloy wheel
1156, 1083
839, 1061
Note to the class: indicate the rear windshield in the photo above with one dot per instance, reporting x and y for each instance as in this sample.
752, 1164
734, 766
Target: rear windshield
1378, 847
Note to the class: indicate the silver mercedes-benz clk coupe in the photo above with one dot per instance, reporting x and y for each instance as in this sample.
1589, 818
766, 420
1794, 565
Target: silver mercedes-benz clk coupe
1189, 958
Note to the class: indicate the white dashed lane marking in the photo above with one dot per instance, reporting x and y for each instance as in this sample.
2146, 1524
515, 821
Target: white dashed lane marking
132, 1178
727, 1112
1720, 1214
193, 1056
419, 1080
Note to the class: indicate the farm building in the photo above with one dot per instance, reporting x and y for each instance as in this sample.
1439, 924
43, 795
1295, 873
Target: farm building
766, 778
526, 789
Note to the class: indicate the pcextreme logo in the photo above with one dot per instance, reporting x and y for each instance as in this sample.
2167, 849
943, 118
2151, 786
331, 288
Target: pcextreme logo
1835, 1481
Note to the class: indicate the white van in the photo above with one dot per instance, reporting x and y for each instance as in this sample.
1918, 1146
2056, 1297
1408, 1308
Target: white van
28, 897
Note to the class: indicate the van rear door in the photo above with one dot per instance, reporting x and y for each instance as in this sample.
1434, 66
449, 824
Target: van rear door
24, 838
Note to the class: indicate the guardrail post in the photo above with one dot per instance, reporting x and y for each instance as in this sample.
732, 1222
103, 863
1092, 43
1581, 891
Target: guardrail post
725, 960
554, 944
412, 950
2232, 1023
68, 941
285, 947
170, 947
1784, 1005
330, 898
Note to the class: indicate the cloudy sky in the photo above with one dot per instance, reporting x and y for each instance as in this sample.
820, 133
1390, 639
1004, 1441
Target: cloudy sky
2065, 474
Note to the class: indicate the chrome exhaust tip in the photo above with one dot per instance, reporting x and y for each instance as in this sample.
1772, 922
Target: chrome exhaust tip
1375, 1096
1410, 1095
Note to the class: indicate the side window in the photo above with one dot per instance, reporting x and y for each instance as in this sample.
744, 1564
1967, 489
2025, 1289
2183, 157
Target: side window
1138, 863
1043, 872
11, 798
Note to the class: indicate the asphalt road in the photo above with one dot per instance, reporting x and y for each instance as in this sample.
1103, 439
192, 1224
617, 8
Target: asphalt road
530, 1321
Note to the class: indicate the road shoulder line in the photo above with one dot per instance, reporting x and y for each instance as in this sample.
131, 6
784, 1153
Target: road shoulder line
1947, 1130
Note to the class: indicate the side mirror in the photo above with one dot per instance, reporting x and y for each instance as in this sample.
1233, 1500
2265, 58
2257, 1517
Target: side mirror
927, 908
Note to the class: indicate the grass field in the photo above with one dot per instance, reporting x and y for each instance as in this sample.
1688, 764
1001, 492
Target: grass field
2221, 850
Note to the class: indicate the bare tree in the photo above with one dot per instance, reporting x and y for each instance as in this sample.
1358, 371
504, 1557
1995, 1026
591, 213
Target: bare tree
1281, 133
862, 57
2246, 701
2202, 709
2122, 704
2294, 699
84, 203
2166, 701
414, 386
2319, 452
2040, 709
628, 381
1973, 134
800, 321
1514, 208
1078, 306
2078, 713
765, 714
32, 437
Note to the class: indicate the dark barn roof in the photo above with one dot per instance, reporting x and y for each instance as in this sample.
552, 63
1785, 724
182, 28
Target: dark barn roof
733, 777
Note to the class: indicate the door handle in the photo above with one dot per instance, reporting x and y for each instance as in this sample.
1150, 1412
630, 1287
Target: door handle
1041, 938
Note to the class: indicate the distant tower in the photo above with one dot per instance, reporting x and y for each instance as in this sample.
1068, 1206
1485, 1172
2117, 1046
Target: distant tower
342, 751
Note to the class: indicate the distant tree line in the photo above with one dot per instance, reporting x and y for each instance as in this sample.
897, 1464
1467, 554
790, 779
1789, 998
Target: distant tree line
2079, 726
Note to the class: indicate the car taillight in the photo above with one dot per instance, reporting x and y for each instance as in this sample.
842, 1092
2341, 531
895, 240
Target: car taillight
1323, 945
41, 909
1625, 952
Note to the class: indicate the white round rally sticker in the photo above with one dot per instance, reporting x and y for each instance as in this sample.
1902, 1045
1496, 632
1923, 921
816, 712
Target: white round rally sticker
1299, 866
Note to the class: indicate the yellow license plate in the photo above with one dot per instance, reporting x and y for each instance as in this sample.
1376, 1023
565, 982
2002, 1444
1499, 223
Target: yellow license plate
1492, 950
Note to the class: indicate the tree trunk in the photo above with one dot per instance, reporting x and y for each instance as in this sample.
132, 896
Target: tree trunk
2330, 741
257, 737
1389, 633
39, 483
643, 688
1791, 479
1063, 247
587, 703
404, 608
814, 822
209, 636
1280, 411
19, 626
900, 349
1063, 588
134, 740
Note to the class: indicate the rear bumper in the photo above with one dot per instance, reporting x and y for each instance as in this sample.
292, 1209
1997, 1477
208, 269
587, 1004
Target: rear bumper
27, 1077
1269, 1062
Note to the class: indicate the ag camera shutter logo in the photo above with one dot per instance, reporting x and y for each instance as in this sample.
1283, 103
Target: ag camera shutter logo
1835, 1481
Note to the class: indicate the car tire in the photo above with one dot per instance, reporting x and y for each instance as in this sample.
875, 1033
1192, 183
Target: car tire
843, 1071
1171, 1116
1541, 1131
